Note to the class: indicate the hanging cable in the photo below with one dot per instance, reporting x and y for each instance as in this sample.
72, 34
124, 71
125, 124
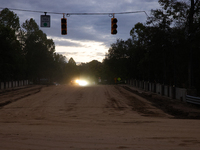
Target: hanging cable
77, 13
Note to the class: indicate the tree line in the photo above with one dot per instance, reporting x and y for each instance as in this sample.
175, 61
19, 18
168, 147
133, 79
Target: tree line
164, 49
26, 52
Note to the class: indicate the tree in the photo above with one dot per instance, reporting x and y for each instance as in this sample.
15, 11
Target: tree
59, 68
193, 28
72, 62
117, 59
38, 51
91, 70
72, 69
162, 48
26, 52
185, 17
9, 19
11, 56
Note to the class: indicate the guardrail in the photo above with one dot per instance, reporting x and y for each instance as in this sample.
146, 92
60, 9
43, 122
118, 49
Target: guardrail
193, 99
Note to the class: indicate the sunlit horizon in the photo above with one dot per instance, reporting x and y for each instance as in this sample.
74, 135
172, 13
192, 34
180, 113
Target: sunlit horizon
83, 52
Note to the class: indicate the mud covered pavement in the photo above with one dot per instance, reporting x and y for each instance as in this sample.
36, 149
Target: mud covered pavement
174, 107
95, 117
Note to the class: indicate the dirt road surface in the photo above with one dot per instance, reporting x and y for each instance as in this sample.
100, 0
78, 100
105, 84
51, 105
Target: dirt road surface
90, 118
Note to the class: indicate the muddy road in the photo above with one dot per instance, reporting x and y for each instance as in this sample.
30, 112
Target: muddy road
94, 117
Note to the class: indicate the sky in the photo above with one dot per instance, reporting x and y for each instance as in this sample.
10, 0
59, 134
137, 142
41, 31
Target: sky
88, 36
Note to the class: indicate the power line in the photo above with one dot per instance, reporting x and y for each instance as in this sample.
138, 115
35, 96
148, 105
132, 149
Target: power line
104, 13
68, 14
31, 11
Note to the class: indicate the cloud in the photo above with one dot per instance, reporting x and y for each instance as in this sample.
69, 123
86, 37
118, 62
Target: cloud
65, 42
84, 31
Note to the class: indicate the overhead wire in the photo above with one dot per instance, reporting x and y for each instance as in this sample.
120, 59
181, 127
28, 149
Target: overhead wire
35, 11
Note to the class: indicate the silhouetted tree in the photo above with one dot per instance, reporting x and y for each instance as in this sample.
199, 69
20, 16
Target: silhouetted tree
38, 51
11, 56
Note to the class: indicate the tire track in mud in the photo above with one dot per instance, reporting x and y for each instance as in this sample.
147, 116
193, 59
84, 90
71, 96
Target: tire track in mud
12, 95
172, 107
139, 105
70, 106
113, 103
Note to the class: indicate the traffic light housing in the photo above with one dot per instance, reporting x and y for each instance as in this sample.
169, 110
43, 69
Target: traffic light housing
113, 25
64, 26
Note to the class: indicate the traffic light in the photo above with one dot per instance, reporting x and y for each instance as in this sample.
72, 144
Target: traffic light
64, 26
113, 25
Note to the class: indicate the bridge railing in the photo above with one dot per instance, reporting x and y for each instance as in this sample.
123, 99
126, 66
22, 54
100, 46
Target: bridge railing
12, 84
165, 90
193, 99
